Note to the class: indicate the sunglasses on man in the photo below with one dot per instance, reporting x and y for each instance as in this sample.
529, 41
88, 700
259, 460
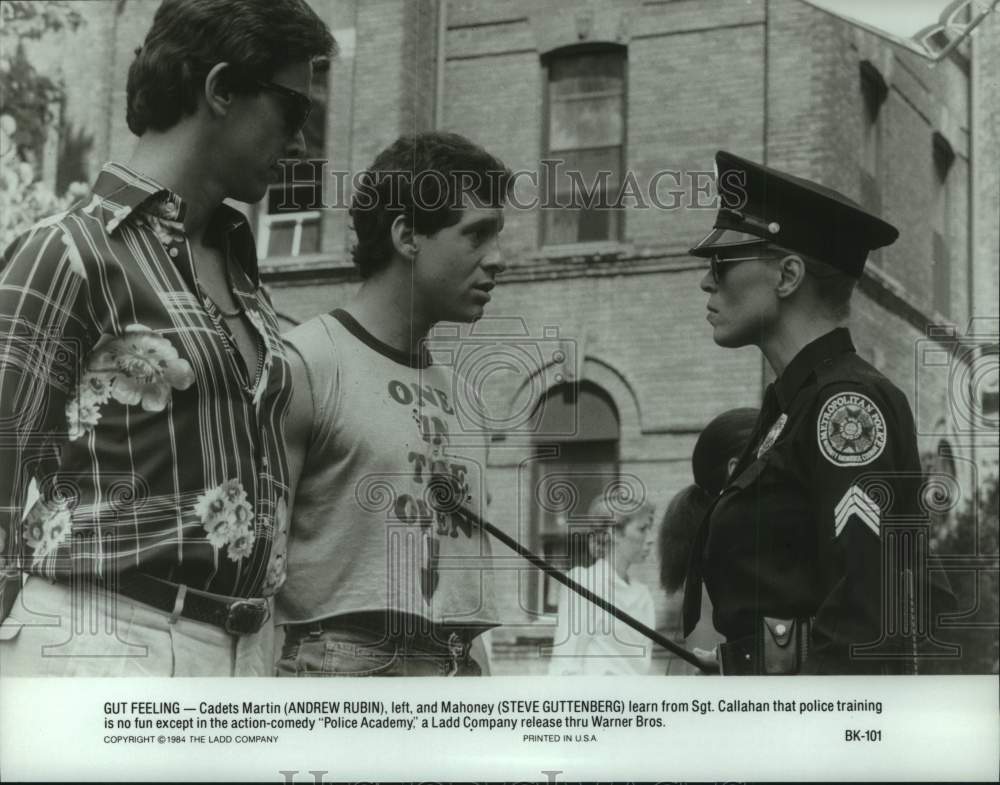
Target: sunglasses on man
297, 105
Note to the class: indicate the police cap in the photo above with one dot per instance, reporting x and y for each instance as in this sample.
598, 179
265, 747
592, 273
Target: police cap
758, 205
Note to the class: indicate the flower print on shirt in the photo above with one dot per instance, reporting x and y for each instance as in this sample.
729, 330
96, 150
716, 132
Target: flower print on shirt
241, 543
227, 519
45, 528
139, 367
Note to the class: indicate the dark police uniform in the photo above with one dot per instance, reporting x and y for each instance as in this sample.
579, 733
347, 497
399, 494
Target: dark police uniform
814, 554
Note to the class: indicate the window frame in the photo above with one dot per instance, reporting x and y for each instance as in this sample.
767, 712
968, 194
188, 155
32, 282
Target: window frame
874, 94
609, 449
617, 236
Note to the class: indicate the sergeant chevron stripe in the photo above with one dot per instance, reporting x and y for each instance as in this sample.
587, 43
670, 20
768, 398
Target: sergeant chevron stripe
858, 503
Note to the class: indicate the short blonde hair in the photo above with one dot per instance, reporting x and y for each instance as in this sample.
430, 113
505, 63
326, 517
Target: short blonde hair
606, 515
607, 512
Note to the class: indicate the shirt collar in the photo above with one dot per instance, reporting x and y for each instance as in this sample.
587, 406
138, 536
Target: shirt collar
825, 348
603, 566
120, 191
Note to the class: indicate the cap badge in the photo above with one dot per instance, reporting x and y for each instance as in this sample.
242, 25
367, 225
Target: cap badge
774, 227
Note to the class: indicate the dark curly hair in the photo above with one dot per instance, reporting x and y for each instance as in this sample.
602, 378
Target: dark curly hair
189, 37
724, 438
678, 528
423, 177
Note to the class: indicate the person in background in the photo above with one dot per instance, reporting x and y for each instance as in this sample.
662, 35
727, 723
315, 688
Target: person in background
716, 451
588, 640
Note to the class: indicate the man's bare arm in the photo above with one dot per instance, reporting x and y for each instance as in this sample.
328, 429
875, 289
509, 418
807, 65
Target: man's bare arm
298, 424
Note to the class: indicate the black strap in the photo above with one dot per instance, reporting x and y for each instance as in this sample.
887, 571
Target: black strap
694, 580
584, 592
235, 615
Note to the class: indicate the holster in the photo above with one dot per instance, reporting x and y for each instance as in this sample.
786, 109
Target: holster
780, 647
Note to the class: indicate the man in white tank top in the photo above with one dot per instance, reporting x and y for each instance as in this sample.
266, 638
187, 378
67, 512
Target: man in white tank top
385, 576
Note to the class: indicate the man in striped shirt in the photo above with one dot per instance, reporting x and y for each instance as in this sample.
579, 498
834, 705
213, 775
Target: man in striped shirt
143, 382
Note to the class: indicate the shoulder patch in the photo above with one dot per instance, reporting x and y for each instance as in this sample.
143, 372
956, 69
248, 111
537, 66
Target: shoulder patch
850, 430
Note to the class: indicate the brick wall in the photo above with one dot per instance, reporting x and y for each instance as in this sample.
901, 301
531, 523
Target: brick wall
986, 188
713, 104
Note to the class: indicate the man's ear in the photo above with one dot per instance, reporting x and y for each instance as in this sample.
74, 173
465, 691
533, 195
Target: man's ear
218, 90
404, 238
792, 272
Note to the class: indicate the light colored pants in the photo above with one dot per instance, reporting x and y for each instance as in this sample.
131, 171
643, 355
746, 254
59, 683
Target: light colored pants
54, 630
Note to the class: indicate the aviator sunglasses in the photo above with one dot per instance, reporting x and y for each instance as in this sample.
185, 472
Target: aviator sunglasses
716, 262
297, 105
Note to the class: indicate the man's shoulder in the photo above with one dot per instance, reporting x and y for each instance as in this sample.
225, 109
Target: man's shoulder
314, 334
48, 237
850, 374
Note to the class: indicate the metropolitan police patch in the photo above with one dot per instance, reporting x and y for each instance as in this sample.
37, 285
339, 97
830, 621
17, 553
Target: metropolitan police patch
851, 430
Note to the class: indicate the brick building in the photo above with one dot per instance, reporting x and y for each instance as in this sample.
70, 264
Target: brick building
647, 90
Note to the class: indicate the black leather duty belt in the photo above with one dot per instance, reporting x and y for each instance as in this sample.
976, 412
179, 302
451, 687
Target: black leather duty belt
235, 615
780, 648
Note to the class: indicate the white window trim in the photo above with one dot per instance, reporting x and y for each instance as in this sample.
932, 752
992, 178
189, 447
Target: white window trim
267, 220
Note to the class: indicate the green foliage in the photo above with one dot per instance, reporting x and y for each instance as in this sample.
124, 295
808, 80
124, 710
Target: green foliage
27, 100
976, 533
34, 18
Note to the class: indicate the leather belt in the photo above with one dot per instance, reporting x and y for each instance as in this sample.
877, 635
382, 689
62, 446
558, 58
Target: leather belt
235, 615
411, 633
780, 647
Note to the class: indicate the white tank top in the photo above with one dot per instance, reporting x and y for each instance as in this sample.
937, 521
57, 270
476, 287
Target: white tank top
364, 535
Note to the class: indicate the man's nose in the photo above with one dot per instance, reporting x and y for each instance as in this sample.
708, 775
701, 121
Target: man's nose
296, 146
707, 283
494, 259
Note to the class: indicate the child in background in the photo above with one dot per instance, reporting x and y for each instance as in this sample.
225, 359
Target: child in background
588, 640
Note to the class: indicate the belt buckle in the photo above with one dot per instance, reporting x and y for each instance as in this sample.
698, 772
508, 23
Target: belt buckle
246, 616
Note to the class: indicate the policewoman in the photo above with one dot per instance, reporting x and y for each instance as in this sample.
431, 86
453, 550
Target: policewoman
791, 551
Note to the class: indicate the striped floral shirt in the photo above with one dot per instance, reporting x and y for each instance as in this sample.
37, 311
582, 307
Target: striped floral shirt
123, 396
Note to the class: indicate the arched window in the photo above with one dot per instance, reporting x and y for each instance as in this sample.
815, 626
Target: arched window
584, 133
568, 474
